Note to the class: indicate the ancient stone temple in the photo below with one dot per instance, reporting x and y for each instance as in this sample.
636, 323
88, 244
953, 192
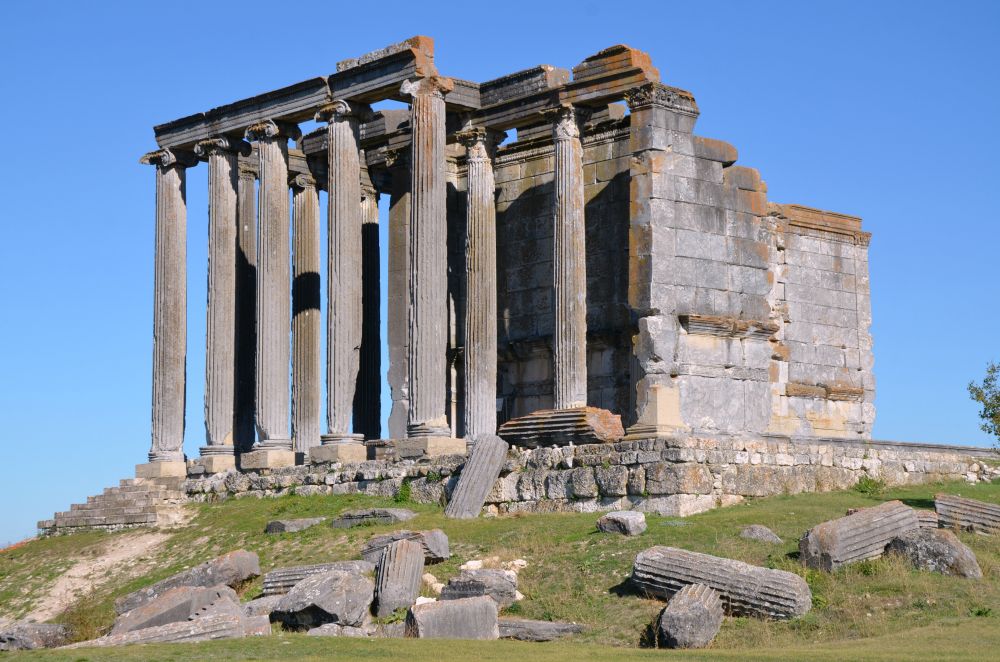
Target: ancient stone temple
569, 264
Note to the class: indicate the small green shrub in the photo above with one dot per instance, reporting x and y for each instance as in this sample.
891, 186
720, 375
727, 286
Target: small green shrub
433, 477
870, 486
404, 493
981, 612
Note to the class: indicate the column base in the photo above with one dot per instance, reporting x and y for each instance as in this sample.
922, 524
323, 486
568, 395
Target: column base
413, 448
661, 415
215, 463
173, 469
341, 438
561, 427
345, 453
267, 458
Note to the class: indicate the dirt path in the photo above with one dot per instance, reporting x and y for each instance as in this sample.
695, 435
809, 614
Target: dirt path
125, 555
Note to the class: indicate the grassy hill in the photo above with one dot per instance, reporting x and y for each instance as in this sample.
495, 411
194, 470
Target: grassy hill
873, 610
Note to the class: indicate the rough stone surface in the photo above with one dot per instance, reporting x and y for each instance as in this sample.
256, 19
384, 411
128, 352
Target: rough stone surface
625, 522
937, 550
291, 525
927, 519
331, 597
198, 629
481, 470
468, 618
173, 605
353, 518
761, 533
525, 630
501, 585
954, 511
335, 630
26, 635
691, 619
230, 569
862, 535
559, 427
281, 580
397, 577
262, 606
434, 543
746, 590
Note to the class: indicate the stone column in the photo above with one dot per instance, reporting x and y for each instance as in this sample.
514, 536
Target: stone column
367, 395
273, 291
166, 453
244, 432
306, 315
343, 328
481, 284
428, 317
398, 303
222, 154
569, 259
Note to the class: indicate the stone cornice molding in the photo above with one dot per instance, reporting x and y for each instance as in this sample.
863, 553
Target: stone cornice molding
663, 96
272, 129
342, 109
204, 148
432, 85
567, 121
165, 158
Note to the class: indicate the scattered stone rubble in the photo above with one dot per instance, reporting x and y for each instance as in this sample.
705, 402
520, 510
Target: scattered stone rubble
625, 522
691, 619
856, 537
969, 514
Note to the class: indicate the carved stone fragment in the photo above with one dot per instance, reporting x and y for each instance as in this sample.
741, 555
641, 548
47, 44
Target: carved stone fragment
560, 427
862, 535
331, 597
397, 579
280, 581
691, 619
469, 618
478, 475
434, 543
198, 629
525, 630
176, 604
352, 518
292, 525
501, 585
761, 533
954, 511
26, 635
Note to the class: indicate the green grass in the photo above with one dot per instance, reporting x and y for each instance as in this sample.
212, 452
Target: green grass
880, 608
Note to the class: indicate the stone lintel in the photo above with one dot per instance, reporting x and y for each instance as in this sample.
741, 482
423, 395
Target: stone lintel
616, 58
418, 447
267, 458
173, 469
344, 453
820, 219
521, 83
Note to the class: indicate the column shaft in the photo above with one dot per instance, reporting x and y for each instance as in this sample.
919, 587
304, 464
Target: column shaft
368, 396
481, 287
306, 317
169, 307
398, 288
428, 283
246, 313
273, 287
569, 341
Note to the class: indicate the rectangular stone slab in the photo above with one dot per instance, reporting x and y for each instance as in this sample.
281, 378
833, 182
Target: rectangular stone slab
478, 475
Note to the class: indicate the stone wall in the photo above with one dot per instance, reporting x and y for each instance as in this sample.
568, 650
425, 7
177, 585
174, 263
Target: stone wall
680, 476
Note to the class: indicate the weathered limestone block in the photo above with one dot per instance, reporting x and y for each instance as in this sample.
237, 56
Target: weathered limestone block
199, 629
559, 427
582, 484
500, 585
525, 630
671, 478
937, 550
927, 519
468, 618
337, 630
433, 542
230, 569
691, 619
397, 582
176, 604
26, 635
353, 518
862, 535
968, 514
478, 475
280, 581
747, 590
262, 606
761, 533
625, 522
331, 597
612, 480
292, 525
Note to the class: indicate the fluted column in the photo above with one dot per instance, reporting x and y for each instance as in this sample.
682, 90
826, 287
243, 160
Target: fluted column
569, 339
481, 284
169, 305
306, 316
398, 290
368, 395
273, 284
222, 154
244, 432
428, 313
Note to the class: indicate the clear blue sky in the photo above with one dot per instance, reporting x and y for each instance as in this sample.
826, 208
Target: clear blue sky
884, 110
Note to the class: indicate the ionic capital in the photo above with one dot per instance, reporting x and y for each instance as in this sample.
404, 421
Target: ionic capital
247, 170
397, 158
165, 158
480, 142
268, 129
302, 180
342, 109
658, 94
567, 121
221, 144
432, 86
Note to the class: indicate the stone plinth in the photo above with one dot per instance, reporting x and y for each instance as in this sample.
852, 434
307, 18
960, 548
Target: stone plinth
559, 427
268, 458
214, 464
416, 447
175, 469
343, 453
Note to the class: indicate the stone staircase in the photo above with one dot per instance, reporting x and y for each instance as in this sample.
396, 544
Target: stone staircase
156, 502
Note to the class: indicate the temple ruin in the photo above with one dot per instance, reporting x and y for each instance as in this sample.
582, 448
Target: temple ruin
568, 264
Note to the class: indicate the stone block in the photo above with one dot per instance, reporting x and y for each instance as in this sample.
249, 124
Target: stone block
500, 585
525, 630
856, 537
176, 469
281, 580
343, 453
352, 518
172, 606
761, 533
214, 464
967, 514
625, 522
468, 618
433, 542
292, 525
937, 550
417, 447
671, 478
691, 619
27, 635
612, 480
330, 597
267, 458
199, 629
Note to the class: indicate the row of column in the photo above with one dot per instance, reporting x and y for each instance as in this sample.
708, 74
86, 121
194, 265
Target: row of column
352, 333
